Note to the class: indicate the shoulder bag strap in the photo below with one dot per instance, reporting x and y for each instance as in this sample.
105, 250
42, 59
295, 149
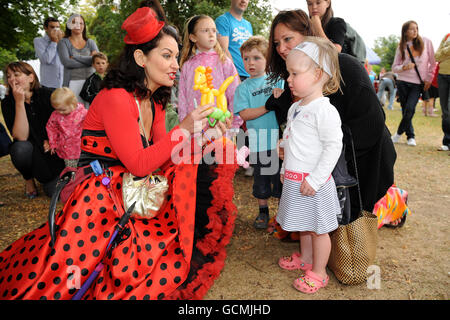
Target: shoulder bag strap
415, 64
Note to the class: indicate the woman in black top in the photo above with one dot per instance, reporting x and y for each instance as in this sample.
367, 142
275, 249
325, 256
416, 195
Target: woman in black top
356, 102
325, 25
26, 110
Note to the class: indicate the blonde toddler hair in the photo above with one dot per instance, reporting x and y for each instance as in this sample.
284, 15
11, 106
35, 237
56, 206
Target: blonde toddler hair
64, 96
328, 51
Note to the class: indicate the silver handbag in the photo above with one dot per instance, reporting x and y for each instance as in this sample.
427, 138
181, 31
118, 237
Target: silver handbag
149, 192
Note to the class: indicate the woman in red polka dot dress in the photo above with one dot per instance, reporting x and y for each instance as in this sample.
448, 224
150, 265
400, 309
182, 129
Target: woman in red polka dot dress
175, 255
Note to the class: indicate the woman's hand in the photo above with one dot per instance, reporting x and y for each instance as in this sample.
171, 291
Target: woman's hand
306, 189
427, 86
408, 66
316, 22
216, 132
282, 178
196, 120
18, 93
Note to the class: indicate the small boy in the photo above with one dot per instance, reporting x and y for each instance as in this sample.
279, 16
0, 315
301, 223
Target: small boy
91, 86
249, 100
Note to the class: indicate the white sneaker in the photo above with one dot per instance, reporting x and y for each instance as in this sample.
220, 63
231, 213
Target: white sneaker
443, 148
396, 138
411, 142
249, 172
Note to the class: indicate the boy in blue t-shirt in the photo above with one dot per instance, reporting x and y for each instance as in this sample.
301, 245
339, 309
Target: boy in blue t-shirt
249, 102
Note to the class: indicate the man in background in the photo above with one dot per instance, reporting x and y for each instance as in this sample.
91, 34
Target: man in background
51, 69
233, 31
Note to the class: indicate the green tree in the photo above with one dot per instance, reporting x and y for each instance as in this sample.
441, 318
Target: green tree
385, 47
21, 22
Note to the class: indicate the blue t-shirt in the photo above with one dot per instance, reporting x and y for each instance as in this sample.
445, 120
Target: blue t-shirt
262, 131
237, 32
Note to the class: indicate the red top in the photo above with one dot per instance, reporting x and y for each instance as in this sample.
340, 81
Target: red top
115, 111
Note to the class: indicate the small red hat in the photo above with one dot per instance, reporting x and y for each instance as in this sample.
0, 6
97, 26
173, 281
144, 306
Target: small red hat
141, 26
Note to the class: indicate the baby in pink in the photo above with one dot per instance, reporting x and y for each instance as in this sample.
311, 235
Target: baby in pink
65, 125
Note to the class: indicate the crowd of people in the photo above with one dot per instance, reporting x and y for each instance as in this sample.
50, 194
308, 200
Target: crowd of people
299, 96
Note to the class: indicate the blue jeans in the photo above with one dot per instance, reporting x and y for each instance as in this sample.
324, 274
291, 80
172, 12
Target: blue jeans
409, 94
444, 97
387, 83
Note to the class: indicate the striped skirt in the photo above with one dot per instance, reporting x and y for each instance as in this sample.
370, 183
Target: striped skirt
318, 213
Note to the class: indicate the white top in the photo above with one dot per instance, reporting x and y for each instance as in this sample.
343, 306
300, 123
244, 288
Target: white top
312, 140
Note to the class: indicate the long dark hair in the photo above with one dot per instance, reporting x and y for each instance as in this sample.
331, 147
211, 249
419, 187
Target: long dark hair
126, 74
296, 20
417, 42
327, 15
68, 31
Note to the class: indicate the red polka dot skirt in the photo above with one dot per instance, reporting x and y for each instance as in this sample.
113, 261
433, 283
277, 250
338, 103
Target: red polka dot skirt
176, 255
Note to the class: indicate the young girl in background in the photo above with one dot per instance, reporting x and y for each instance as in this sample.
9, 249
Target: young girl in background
325, 24
65, 125
413, 77
312, 145
200, 48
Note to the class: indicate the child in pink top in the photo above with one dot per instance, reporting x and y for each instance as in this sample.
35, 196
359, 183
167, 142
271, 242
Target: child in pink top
65, 125
200, 48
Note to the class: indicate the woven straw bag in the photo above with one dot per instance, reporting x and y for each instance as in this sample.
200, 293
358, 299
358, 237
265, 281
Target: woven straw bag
354, 245
353, 249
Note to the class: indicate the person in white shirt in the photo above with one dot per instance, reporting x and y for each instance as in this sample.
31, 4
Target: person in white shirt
51, 68
312, 143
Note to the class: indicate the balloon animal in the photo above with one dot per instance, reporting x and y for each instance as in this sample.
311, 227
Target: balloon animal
203, 82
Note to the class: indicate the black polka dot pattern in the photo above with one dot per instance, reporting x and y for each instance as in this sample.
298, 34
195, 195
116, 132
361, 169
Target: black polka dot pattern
150, 264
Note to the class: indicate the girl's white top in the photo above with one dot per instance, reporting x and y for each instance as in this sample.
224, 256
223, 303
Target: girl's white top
312, 140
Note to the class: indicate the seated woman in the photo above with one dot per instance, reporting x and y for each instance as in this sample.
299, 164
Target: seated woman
26, 110
177, 254
356, 102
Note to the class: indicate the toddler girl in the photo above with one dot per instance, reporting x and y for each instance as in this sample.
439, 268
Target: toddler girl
200, 48
312, 145
64, 126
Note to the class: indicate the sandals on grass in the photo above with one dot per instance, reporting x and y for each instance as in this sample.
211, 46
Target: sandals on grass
310, 282
293, 262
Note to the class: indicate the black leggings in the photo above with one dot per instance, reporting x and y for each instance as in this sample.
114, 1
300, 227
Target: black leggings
33, 163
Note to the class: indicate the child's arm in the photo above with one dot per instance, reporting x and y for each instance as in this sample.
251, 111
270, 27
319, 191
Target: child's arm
52, 132
252, 113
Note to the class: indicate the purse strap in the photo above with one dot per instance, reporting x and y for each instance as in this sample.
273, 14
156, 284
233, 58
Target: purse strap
415, 64
356, 167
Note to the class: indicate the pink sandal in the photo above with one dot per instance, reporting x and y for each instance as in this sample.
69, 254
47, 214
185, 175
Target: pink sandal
310, 282
293, 262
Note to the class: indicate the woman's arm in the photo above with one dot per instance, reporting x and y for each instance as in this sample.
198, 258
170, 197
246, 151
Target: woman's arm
337, 29
21, 128
443, 52
64, 56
